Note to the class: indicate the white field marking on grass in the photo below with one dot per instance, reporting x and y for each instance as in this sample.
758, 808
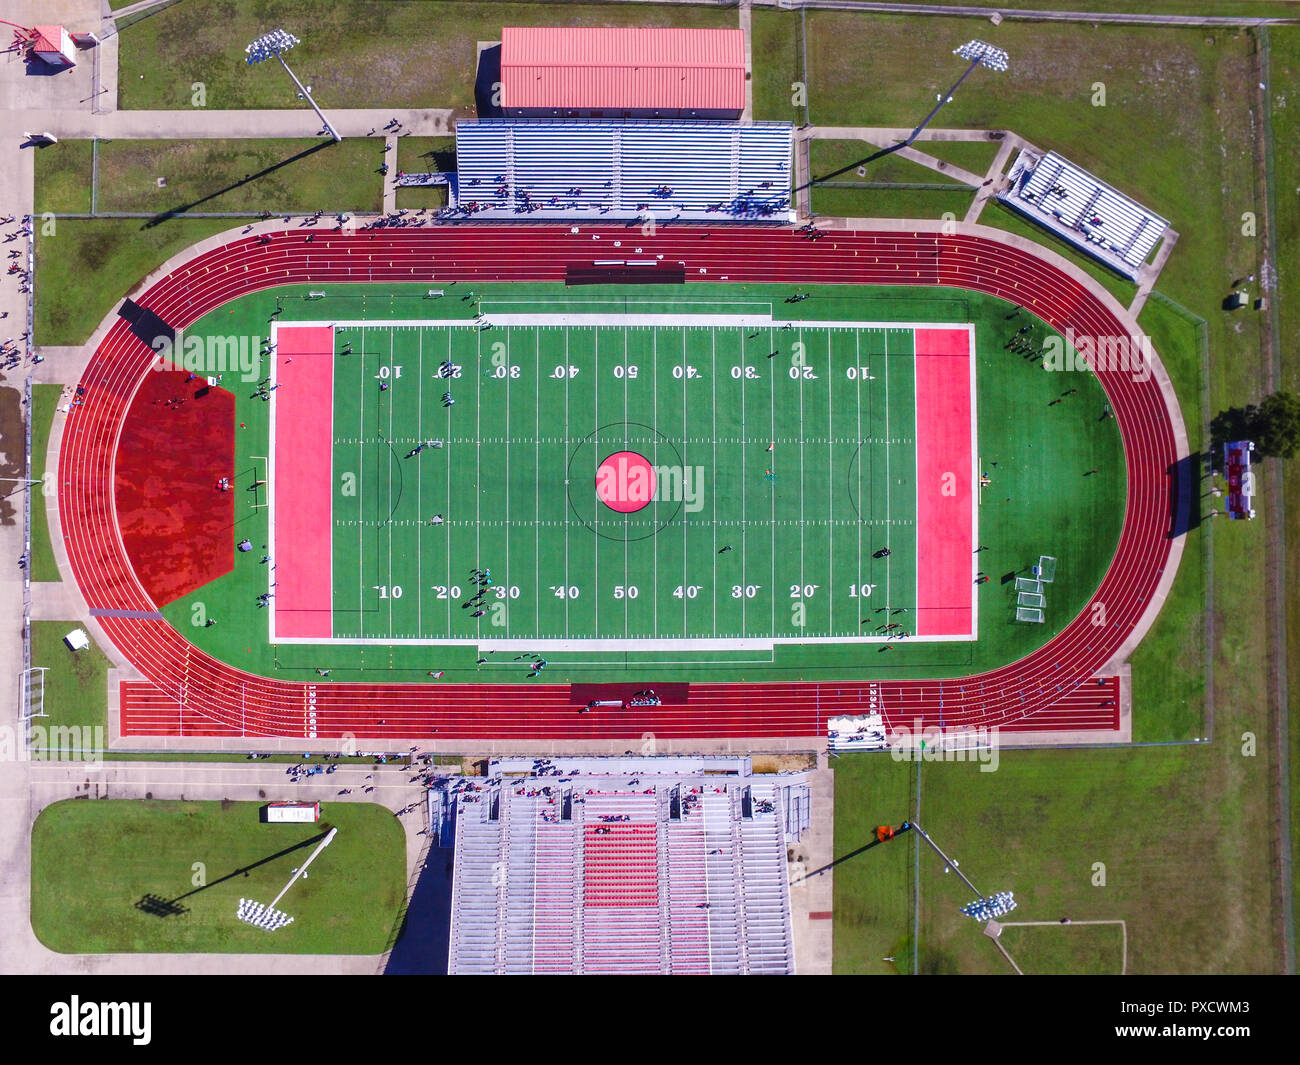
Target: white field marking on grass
744, 525
974, 506
916, 492
771, 493
361, 513
803, 550
478, 465
537, 465
392, 402
567, 446
857, 350
447, 418
654, 413
685, 524
534, 643
419, 481
759, 306
626, 602
509, 436
830, 494
270, 493
713, 415
717, 321
731, 322
889, 483
595, 420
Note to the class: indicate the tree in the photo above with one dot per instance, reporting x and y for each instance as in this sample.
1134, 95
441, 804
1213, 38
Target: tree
1273, 425
1276, 428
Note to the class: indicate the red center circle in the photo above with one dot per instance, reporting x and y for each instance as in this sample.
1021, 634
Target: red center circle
626, 482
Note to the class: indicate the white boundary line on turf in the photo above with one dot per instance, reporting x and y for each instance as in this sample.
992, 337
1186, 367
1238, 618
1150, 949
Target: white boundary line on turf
974, 494
631, 644
735, 321
271, 483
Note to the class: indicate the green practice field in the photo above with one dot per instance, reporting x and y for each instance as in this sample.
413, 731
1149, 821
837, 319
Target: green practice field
784, 461
153, 876
842, 484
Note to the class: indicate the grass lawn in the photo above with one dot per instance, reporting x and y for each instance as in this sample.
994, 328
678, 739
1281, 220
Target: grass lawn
63, 177
241, 175
1285, 72
430, 197
354, 53
45, 398
890, 203
89, 264
419, 155
76, 691
873, 888
830, 156
1055, 949
202, 858
425, 154
975, 156
1160, 820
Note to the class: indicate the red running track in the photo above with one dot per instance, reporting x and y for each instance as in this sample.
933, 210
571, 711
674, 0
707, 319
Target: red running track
190, 693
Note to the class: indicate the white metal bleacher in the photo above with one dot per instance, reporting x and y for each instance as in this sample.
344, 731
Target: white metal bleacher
1091, 214
511, 168
676, 874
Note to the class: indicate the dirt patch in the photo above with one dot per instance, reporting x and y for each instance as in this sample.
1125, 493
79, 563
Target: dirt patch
13, 462
784, 763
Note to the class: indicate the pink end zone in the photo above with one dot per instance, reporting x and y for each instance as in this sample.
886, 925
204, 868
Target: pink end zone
944, 515
301, 484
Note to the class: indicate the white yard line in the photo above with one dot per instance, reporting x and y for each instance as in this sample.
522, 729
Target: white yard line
419, 483
713, 415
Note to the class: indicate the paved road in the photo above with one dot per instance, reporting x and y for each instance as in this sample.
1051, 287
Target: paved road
1025, 16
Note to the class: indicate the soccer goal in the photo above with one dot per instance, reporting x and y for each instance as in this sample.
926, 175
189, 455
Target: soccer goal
1029, 613
33, 694
1031, 599
1045, 571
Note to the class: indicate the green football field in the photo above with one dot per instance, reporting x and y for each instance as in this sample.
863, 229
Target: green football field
842, 484
782, 460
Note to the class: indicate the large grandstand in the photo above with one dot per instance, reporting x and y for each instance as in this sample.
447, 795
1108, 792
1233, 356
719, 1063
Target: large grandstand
621, 865
668, 171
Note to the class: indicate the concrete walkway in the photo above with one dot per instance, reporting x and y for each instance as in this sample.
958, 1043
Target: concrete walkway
35, 785
746, 26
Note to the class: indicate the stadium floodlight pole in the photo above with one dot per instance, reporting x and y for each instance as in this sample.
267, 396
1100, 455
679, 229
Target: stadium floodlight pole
268, 917
946, 860
273, 44
979, 54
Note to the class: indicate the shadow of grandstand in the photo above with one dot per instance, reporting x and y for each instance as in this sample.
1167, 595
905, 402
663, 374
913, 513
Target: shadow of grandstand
247, 179
157, 906
487, 82
422, 940
1184, 494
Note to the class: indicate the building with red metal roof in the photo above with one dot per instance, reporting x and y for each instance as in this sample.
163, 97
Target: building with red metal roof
590, 72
